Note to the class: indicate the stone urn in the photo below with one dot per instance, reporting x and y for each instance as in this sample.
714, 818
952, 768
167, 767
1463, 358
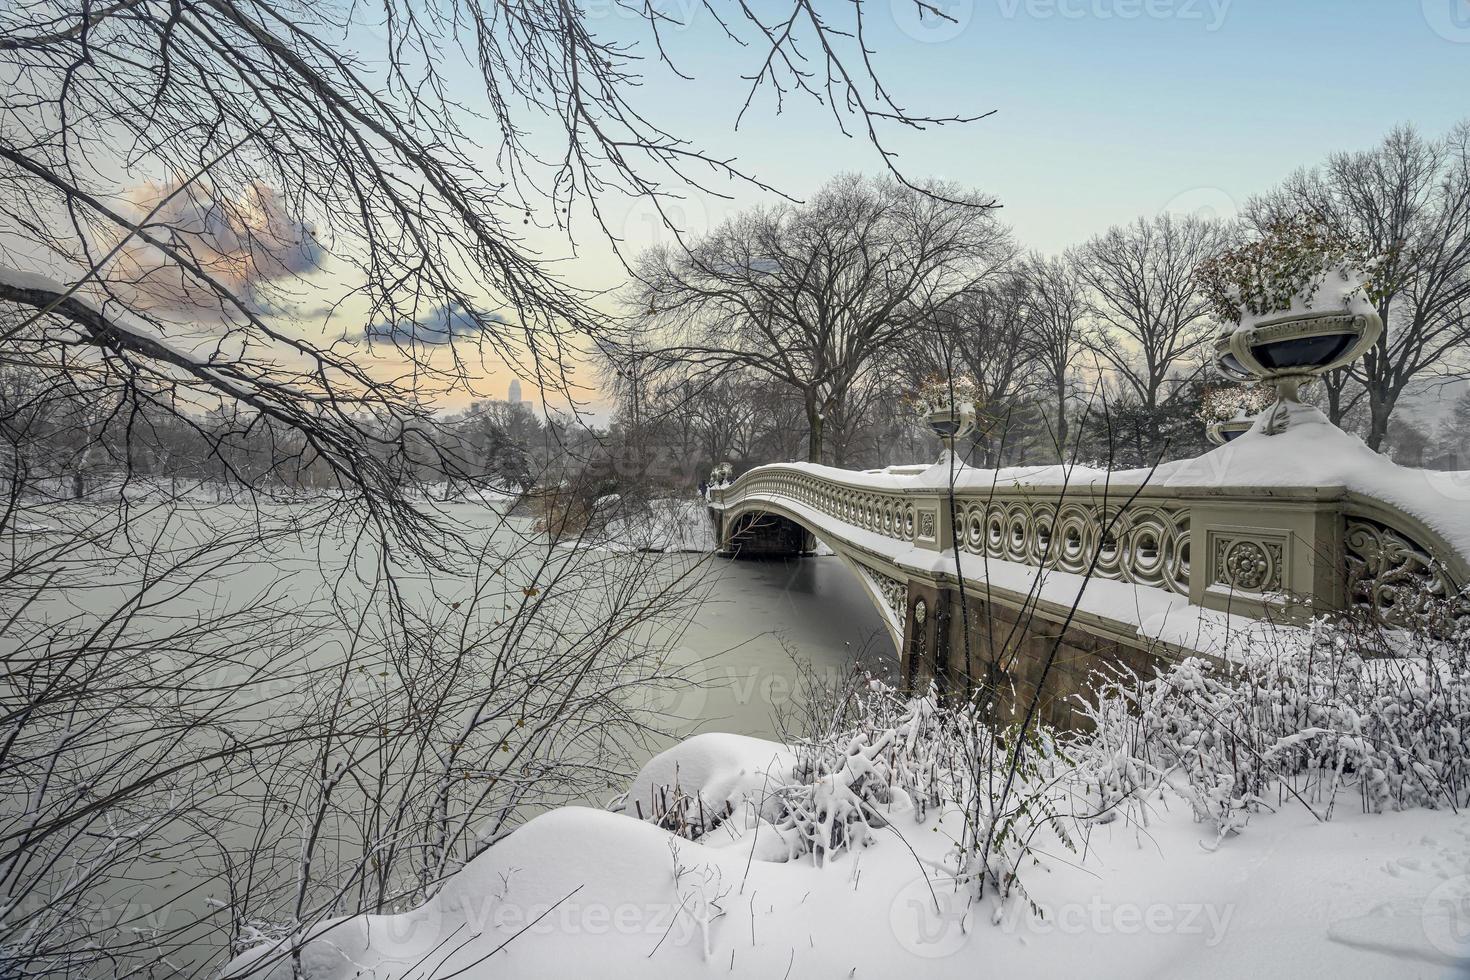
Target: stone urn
1219, 433
952, 425
1290, 349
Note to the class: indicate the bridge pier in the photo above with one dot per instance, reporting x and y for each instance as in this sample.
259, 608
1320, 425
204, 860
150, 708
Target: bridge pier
990, 645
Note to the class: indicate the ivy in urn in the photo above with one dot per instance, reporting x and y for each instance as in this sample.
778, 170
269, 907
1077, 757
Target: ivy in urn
1297, 302
951, 406
1229, 410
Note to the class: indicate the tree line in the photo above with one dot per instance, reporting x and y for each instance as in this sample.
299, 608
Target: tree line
794, 330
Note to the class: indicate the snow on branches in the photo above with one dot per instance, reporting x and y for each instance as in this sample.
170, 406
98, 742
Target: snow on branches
937, 393
1306, 715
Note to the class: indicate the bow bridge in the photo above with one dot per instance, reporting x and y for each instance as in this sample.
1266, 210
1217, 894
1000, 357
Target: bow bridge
1127, 566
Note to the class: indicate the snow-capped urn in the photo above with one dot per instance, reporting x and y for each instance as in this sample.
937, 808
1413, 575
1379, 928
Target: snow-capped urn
1297, 302
1229, 410
950, 406
721, 475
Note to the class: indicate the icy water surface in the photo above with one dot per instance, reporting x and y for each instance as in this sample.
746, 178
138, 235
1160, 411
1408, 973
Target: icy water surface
760, 621
754, 631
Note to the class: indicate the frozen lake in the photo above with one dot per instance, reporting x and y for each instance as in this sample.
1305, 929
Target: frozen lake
759, 615
746, 632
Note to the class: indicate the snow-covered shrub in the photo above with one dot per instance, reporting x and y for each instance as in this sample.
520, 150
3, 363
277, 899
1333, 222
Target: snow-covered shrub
1018, 789
866, 756
1115, 762
681, 813
848, 782
1304, 717
1223, 402
890, 755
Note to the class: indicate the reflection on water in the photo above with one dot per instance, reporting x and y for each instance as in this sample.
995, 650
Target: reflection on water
759, 620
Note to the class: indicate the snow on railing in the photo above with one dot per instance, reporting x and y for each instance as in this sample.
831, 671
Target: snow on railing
1230, 530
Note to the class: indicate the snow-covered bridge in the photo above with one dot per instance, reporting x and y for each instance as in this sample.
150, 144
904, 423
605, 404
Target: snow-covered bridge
1127, 565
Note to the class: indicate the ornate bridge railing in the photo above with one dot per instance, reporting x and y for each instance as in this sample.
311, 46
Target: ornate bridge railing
1280, 550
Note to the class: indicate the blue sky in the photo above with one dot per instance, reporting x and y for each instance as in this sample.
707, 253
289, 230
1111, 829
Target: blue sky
1104, 109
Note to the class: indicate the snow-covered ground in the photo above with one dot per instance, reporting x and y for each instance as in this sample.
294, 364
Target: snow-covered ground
583, 892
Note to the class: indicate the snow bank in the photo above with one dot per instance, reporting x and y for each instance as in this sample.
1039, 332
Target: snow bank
1313, 452
585, 893
590, 893
721, 770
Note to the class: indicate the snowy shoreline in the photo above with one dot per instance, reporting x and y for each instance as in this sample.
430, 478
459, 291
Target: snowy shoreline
666, 524
586, 892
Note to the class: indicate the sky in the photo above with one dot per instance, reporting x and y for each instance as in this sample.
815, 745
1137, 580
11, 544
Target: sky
1101, 110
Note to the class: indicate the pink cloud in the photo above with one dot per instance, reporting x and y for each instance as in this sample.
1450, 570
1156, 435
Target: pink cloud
248, 243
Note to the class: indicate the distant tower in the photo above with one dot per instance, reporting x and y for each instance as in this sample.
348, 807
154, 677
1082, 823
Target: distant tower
515, 392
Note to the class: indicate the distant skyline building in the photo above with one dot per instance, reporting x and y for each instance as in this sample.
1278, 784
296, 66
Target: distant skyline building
515, 392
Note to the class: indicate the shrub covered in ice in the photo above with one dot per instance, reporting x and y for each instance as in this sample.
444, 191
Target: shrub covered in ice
1303, 717
879, 758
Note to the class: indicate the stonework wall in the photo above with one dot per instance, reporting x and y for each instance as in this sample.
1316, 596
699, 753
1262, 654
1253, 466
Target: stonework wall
1008, 650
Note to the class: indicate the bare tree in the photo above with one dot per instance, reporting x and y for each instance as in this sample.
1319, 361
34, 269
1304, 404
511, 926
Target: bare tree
235, 250
778, 421
864, 422
810, 295
1058, 310
724, 413
1408, 201
981, 332
1150, 318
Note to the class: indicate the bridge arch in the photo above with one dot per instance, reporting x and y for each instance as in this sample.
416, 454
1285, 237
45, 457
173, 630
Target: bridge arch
1129, 566
761, 528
